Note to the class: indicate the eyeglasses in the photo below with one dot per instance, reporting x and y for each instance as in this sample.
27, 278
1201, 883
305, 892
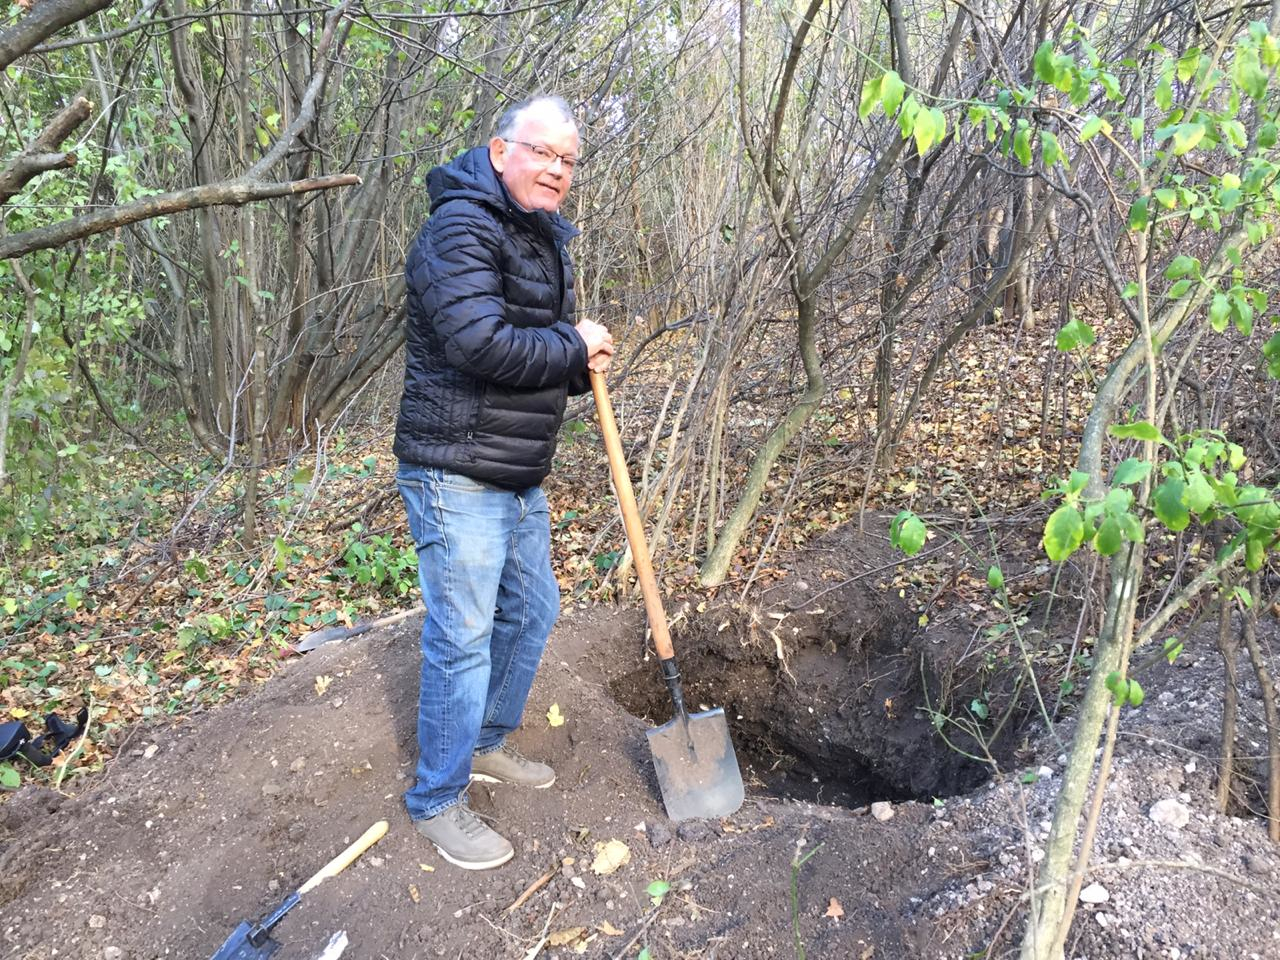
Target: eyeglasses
546, 156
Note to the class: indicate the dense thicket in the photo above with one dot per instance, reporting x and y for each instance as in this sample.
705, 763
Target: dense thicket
792, 217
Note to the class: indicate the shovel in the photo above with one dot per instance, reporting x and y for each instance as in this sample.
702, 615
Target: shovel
252, 941
692, 753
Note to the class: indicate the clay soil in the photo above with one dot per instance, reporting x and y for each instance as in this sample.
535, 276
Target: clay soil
827, 680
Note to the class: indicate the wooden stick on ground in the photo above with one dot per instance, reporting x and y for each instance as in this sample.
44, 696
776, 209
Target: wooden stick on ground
530, 890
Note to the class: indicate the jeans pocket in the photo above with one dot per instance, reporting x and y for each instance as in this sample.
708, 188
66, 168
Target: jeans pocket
460, 481
413, 493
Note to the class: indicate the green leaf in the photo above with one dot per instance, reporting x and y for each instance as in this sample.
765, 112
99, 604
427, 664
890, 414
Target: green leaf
1267, 135
939, 124
1187, 64
1139, 430
907, 115
1242, 314
1254, 554
1219, 312
1186, 136
1118, 686
1199, 495
1136, 694
1271, 351
1167, 198
1248, 73
1045, 63
871, 95
995, 577
1076, 333
1180, 266
907, 533
1109, 539
10, 779
1063, 533
1138, 216
924, 132
1078, 481
1050, 151
1130, 290
1172, 648
659, 888
1132, 470
1022, 146
1131, 527
1169, 506
1117, 501
979, 709
891, 91
1180, 288
1092, 127
1164, 94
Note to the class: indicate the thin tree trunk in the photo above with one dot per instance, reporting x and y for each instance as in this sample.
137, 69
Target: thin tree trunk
1229, 648
1269, 709
20, 366
716, 566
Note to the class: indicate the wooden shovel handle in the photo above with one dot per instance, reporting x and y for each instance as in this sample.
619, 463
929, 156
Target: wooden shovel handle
631, 520
347, 856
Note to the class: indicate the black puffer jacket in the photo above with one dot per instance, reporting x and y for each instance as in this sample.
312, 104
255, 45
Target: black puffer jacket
491, 348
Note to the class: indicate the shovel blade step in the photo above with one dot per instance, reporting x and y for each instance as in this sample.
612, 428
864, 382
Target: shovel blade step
696, 766
238, 946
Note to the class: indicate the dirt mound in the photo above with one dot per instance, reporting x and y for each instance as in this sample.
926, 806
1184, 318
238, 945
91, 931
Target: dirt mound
199, 826
231, 811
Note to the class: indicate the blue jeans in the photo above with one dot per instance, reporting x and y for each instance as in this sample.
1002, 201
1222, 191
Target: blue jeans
484, 563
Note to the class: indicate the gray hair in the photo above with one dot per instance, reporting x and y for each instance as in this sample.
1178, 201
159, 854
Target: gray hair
511, 117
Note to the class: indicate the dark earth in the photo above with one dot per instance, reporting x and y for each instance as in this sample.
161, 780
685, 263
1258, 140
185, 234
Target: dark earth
829, 681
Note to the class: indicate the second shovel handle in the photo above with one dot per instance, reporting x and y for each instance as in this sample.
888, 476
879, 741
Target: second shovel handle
631, 520
347, 856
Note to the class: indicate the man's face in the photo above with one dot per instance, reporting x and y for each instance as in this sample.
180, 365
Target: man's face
534, 183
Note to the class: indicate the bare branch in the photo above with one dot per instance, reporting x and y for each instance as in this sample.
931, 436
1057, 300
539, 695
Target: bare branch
41, 154
45, 19
233, 193
307, 109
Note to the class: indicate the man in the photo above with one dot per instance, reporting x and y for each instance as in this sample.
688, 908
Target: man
492, 352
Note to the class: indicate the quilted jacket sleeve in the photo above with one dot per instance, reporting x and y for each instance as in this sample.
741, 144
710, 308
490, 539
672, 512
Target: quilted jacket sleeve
464, 300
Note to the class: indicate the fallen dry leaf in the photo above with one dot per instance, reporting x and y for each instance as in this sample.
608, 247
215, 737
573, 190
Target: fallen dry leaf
428, 868
322, 684
834, 910
609, 930
567, 935
610, 856
554, 717
414, 895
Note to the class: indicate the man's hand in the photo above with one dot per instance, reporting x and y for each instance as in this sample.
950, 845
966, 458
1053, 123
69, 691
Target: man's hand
599, 344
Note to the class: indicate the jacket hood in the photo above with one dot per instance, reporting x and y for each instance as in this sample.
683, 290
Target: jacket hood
470, 176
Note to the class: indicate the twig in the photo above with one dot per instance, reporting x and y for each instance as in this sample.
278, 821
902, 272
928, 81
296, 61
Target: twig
62, 767
542, 939
530, 890
866, 573
648, 922
1185, 865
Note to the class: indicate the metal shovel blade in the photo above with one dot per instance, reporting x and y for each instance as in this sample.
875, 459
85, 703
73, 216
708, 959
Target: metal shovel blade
240, 945
697, 768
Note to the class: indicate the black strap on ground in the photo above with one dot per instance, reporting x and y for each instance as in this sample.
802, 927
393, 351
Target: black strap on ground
16, 739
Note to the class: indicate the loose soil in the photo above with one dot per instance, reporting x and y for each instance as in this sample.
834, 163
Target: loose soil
830, 684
